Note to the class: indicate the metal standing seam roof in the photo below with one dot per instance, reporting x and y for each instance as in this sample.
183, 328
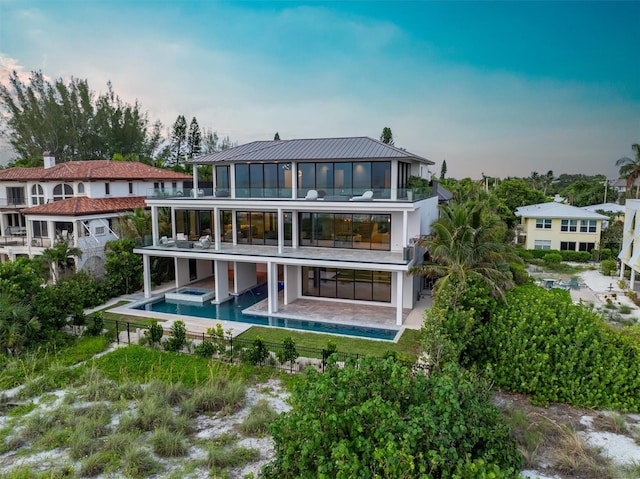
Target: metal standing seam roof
557, 210
353, 148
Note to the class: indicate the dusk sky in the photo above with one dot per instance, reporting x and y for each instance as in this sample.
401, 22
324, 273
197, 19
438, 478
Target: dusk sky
501, 88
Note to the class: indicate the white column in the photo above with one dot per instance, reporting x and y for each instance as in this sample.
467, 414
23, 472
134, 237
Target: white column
74, 227
621, 270
234, 228
399, 297
280, 231
632, 283
295, 233
294, 180
272, 287
232, 182
154, 225
394, 180
216, 228
405, 228
173, 222
221, 271
195, 181
51, 229
146, 272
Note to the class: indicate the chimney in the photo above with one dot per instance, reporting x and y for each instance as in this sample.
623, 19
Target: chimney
49, 159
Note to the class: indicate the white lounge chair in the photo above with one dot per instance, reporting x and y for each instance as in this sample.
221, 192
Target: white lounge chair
311, 195
366, 196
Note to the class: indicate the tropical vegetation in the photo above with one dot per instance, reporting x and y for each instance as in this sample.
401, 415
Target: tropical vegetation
466, 244
378, 419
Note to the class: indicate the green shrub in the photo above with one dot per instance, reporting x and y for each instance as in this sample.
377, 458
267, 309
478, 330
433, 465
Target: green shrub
377, 419
139, 463
178, 338
259, 418
154, 333
288, 353
205, 349
575, 256
552, 258
608, 267
96, 324
257, 353
167, 443
539, 343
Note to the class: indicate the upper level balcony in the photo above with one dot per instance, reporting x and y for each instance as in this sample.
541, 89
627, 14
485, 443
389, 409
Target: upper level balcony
13, 202
287, 194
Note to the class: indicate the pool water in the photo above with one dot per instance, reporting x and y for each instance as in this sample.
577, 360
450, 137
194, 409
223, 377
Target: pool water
232, 311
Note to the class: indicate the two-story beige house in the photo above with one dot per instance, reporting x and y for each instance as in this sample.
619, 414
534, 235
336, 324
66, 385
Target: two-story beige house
558, 226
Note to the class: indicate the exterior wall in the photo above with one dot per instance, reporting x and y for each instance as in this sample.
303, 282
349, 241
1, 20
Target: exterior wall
556, 236
630, 252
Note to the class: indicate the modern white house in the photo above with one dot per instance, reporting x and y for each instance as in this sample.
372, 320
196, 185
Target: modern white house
327, 219
76, 202
558, 226
629, 255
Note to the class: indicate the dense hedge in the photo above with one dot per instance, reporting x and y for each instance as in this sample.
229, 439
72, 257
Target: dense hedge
541, 344
574, 256
377, 419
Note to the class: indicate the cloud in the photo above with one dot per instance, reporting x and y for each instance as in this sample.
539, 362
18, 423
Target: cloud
311, 71
7, 66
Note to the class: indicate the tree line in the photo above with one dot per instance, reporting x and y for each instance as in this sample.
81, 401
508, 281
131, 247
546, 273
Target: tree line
70, 120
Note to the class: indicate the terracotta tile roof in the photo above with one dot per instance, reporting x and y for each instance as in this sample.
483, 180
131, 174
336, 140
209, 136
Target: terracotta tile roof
83, 205
92, 170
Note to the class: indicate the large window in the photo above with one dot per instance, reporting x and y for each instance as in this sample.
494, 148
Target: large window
543, 223
40, 229
588, 226
222, 180
569, 226
347, 284
345, 178
586, 246
62, 192
263, 180
194, 223
542, 244
258, 227
345, 230
567, 245
37, 195
15, 195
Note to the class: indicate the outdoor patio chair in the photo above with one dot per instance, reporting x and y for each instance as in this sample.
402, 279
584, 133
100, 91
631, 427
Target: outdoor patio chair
311, 195
573, 283
366, 196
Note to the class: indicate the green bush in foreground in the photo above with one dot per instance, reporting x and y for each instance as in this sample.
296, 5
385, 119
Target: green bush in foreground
542, 344
380, 420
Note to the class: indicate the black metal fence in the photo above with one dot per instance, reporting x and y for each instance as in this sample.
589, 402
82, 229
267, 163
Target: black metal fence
234, 350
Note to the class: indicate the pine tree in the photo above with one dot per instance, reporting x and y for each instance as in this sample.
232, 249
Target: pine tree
276, 137
443, 170
194, 139
178, 141
387, 136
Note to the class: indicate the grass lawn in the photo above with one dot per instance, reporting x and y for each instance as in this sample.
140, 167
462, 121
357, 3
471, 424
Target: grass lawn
407, 346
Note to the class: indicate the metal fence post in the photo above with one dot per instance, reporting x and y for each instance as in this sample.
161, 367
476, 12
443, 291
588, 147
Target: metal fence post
117, 333
128, 334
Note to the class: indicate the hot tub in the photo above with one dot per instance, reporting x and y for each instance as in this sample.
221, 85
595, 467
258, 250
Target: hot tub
192, 295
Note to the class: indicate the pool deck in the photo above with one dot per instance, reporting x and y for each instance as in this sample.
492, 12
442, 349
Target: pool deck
333, 312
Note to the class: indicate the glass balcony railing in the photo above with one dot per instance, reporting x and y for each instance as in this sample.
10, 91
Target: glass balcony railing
326, 194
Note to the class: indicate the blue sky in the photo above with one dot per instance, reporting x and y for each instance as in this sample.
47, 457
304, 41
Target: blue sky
495, 87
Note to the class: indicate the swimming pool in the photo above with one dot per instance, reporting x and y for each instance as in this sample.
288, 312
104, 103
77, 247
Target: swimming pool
232, 311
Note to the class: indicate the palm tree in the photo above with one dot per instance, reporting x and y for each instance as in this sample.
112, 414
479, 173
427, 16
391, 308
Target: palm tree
630, 168
465, 244
134, 225
547, 180
16, 324
55, 258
